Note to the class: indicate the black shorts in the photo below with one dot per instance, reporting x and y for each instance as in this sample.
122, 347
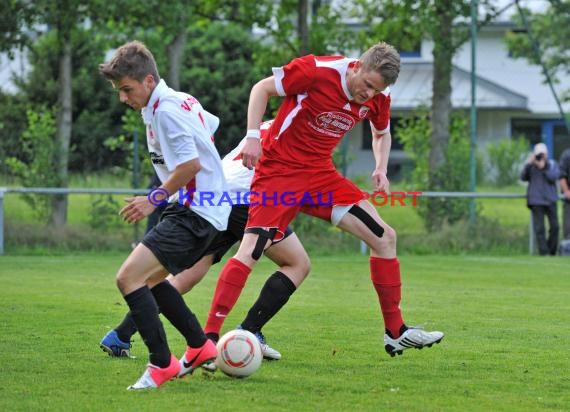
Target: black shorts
181, 238
233, 234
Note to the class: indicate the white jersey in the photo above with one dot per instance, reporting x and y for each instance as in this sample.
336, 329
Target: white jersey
178, 130
239, 177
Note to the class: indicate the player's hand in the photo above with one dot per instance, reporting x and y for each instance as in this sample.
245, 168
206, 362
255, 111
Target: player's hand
251, 152
381, 182
137, 208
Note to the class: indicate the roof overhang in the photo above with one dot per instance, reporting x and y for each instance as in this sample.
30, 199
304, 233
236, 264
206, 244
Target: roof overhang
414, 88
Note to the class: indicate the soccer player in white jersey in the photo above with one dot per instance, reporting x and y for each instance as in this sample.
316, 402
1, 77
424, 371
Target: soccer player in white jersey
180, 143
117, 341
324, 97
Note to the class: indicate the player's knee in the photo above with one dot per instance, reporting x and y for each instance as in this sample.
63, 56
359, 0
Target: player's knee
126, 276
122, 280
298, 270
303, 266
387, 242
390, 234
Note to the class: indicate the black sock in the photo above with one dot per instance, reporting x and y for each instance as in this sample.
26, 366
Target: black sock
145, 315
173, 307
273, 296
126, 328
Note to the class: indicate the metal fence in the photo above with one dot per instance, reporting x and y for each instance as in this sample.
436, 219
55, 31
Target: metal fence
68, 191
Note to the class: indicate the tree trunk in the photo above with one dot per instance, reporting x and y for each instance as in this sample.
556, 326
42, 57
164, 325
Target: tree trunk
63, 136
441, 99
303, 27
175, 57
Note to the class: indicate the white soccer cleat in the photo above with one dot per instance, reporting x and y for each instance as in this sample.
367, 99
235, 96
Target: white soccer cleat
267, 351
413, 337
154, 377
144, 382
209, 366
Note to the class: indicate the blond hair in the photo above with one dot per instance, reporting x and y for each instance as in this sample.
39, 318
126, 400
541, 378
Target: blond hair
384, 59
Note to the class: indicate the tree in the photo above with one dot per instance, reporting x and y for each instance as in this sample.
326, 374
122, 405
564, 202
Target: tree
548, 39
218, 70
62, 17
405, 23
16, 20
66, 19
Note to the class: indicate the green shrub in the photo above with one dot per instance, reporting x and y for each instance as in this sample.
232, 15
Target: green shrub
35, 239
453, 175
505, 160
34, 167
103, 213
488, 236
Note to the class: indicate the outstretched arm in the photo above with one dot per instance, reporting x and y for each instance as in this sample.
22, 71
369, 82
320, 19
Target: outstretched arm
258, 98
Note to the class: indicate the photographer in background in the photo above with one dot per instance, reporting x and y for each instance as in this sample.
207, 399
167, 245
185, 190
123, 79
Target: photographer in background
541, 173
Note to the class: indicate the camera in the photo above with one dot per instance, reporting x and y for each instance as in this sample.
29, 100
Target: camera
539, 156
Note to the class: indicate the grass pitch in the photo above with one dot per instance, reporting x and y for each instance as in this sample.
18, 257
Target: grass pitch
506, 345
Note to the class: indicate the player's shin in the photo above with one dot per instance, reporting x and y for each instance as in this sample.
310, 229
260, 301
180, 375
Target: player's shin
173, 307
228, 288
273, 296
385, 276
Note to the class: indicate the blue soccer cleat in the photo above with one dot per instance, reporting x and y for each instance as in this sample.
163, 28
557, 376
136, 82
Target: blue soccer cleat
114, 346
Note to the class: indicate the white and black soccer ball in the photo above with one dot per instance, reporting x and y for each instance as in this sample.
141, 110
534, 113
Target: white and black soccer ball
239, 353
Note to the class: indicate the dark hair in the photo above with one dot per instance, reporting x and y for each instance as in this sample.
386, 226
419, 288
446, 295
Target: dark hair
132, 60
384, 59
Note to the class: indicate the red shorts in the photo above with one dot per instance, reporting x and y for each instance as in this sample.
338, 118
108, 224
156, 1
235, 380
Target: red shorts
277, 196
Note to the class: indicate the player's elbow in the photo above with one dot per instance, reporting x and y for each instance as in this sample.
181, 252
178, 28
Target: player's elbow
190, 168
265, 88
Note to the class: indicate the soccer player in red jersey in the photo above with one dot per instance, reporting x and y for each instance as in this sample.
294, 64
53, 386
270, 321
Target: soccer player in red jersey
324, 97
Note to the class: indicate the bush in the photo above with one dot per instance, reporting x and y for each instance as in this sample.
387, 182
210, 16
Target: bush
488, 236
452, 176
35, 165
505, 161
32, 238
318, 237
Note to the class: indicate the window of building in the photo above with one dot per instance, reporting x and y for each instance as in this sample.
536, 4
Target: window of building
410, 50
367, 135
551, 132
530, 129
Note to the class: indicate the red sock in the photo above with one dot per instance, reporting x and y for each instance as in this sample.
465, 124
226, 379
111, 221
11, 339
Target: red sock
230, 284
385, 275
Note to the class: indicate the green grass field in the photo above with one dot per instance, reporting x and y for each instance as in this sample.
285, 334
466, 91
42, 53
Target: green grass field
506, 346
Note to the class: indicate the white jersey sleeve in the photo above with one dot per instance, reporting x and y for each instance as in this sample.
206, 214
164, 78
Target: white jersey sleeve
238, 177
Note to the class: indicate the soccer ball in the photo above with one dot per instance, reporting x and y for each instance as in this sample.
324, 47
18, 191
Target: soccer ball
239, 353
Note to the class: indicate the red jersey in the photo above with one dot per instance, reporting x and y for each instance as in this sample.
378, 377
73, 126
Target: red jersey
317, 112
